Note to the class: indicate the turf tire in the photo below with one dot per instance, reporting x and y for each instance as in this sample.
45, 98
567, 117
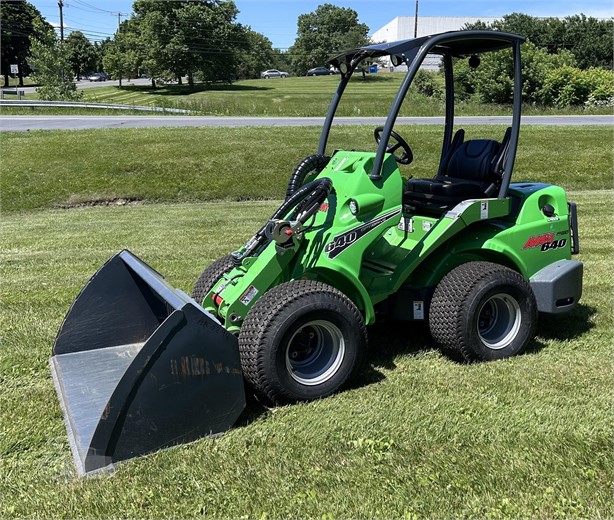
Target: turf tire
210, 276
282, 322
484, 311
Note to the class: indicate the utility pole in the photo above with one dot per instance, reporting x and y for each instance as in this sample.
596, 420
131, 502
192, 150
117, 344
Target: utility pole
416, 21
60, 5
119, 18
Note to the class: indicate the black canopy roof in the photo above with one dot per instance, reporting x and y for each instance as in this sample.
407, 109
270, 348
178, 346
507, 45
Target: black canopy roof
456, 43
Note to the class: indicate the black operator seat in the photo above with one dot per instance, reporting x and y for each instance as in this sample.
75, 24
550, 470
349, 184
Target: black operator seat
471, 169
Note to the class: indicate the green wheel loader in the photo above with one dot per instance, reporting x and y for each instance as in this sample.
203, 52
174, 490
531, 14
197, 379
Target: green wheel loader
139, 365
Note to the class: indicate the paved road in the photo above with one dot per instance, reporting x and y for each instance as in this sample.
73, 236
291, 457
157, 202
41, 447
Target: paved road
26, 123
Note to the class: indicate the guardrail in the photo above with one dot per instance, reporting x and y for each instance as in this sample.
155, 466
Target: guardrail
13, 92
80, 104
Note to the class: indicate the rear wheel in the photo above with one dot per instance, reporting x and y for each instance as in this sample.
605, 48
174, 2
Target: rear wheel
210, 276
483, 310
301, 341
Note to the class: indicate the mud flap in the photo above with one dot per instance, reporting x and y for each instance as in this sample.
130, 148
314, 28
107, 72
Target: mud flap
139, 365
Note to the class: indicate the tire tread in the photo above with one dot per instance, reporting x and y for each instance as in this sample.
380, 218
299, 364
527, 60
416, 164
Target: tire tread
210, 276
259, 323
446, 320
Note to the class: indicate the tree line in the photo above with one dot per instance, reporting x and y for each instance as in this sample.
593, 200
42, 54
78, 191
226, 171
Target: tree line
199, 40
565, 62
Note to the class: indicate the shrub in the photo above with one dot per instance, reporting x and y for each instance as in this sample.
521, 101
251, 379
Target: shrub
493, 82
569, 86
429, 83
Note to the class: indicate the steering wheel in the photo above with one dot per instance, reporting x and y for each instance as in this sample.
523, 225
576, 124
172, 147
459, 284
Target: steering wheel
407, 156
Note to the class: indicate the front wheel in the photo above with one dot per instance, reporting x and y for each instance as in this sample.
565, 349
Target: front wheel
302, 340
483, 310
210, 276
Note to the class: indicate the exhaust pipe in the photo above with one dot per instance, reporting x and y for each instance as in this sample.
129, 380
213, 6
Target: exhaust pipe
139, 365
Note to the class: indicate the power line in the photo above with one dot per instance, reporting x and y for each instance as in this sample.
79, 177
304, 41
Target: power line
95, 8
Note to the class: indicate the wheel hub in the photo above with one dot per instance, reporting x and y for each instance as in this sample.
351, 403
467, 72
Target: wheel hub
315, 352
499, 321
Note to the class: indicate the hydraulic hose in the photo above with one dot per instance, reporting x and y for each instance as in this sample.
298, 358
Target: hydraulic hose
309, 164
306, 200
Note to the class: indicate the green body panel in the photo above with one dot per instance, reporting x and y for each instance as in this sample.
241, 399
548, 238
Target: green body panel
307, 258
513, 239
363, 242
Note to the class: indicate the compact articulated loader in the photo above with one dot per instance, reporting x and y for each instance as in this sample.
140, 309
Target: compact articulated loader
139, 365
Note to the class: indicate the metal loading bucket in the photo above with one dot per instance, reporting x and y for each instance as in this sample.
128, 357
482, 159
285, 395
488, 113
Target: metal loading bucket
139, 365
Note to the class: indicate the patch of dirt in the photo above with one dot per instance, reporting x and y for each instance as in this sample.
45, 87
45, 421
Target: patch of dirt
102, 202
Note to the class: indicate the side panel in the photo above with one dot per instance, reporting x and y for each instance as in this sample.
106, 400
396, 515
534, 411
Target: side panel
531, 235
527, 240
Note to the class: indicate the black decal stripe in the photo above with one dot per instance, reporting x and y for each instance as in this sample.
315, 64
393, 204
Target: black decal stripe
340, 243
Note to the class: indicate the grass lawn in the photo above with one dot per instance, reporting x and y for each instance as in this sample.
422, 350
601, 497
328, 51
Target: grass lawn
301, 96
14, 82
418, 435
298, 96
66, 168
7, 110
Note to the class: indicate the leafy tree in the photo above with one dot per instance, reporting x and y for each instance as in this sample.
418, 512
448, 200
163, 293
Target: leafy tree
81, 53
101, 49
121, 58
15, 31
282, 60
325, 32
590, 40
543, 32
51, 66
150, 30
258, 55
188, 37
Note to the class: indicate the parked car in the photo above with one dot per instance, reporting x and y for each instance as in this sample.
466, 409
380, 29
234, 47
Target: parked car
320, 71
99, 76
273, 73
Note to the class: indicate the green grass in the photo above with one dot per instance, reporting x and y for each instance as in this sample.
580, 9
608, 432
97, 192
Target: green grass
68, 168
418, 436
7, 110
14, 82
301, 96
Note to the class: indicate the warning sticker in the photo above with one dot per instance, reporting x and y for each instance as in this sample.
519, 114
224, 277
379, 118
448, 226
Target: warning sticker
484, 209
248, 295
418, 310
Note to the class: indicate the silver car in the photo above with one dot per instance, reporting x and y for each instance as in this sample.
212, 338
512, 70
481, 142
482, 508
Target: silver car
273, 73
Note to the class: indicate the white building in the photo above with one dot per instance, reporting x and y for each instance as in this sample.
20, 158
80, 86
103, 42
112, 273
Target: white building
402, 28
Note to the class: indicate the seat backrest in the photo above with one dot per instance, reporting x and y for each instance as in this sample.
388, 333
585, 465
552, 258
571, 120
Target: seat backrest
457, 140
501, 158
474, 160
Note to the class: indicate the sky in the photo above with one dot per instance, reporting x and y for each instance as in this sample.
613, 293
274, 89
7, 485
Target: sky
277, 19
